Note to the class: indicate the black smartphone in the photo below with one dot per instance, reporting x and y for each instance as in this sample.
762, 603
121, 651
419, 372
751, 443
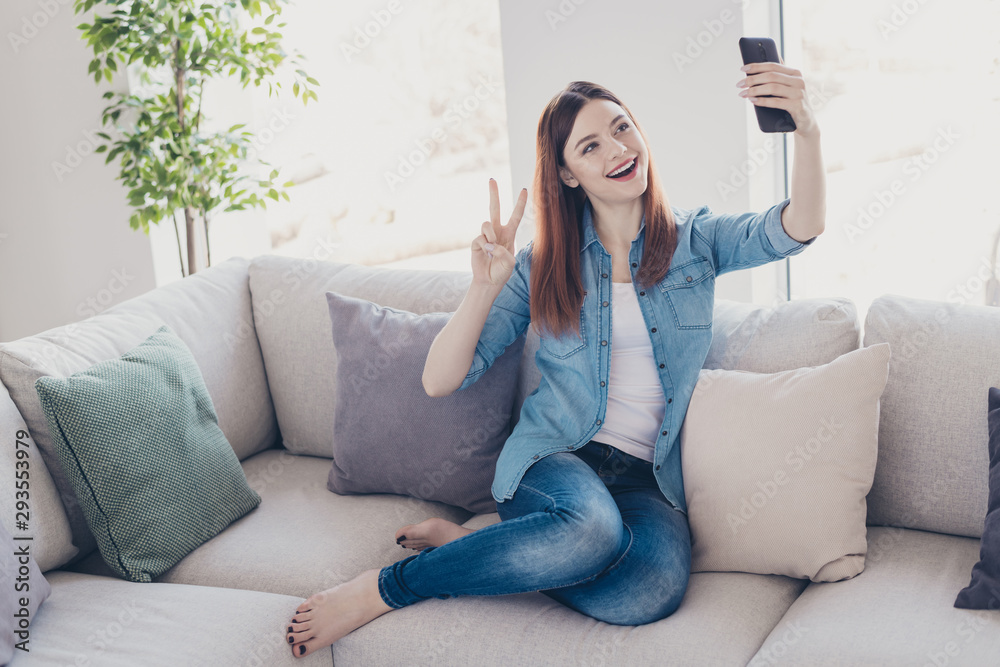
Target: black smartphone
764, 50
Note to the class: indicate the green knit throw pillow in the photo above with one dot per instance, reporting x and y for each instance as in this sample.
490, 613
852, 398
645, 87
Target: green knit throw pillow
140, 442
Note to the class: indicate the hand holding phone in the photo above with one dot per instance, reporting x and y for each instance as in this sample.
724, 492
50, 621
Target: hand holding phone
762, 50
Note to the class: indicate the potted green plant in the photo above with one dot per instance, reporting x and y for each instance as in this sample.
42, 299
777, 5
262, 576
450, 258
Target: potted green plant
168, 162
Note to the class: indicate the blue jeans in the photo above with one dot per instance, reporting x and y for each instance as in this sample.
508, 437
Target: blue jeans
589, 528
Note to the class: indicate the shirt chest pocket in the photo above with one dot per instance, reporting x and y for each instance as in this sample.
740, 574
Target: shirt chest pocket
569, 343
689, 289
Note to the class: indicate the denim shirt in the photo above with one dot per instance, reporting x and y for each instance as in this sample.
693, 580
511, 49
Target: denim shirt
568, 407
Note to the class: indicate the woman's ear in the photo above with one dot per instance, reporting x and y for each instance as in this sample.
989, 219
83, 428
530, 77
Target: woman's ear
567, 177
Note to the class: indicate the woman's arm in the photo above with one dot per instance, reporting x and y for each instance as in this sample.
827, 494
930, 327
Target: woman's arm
450, 355
805, 215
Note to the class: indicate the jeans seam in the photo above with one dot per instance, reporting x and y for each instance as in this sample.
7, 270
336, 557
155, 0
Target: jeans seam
631, 541
384, 593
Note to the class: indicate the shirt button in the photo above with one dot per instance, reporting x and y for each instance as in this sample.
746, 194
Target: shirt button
634, 264
653, 329
604, 342
670, 400
604, 275
642, 294
664, 433
535, 457
657, 467
602, 383
569, 446
598, 421
688, 278
605, 304
662, 365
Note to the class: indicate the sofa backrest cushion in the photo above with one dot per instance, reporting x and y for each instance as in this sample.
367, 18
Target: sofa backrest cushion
292, 319
933, 462
210, 311
46, 523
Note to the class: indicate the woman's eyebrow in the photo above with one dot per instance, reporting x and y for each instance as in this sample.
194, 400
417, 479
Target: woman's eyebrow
591, 136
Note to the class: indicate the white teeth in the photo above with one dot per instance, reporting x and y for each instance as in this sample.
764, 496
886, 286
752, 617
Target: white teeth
627, 166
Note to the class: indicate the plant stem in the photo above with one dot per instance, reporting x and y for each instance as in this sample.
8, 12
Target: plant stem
180, 255
188, 213
208, 245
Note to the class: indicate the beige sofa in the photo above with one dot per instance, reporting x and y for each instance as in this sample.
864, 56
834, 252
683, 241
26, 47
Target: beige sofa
260, 331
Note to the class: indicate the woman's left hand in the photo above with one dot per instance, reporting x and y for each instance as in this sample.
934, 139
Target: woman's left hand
788, 88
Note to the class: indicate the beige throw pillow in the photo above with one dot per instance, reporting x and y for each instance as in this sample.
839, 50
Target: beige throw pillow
777, 466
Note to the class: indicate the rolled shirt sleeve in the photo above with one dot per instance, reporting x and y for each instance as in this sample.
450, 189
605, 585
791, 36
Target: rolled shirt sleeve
746, 240
508, 318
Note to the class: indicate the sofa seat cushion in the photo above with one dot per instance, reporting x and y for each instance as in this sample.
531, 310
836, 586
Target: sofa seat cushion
898, 611
302, 538
91, 620
722, 620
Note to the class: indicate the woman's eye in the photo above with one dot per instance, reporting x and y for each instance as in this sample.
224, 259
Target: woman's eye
623, 125
587, 148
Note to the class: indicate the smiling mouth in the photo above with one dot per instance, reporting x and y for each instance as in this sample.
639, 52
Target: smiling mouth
625, 171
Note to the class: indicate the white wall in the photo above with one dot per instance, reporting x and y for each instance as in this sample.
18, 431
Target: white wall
66, 249
675, 64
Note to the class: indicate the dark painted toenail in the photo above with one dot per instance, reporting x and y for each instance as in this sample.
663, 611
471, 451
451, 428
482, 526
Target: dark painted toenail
302, 649
291, 640
289, 628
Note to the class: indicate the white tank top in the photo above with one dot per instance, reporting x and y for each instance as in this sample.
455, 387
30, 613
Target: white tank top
636, 404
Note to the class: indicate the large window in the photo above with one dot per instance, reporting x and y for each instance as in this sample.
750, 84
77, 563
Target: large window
908, 105
392, 163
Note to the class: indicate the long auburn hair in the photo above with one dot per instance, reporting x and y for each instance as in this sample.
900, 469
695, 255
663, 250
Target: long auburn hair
556, 285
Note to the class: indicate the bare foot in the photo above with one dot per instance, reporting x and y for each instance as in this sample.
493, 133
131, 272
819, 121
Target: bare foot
430, 533
327, 616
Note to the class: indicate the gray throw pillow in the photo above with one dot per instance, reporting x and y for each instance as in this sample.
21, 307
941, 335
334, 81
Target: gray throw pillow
24, 590
389, 436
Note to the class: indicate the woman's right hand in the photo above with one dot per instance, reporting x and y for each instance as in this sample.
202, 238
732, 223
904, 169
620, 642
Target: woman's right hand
493, 250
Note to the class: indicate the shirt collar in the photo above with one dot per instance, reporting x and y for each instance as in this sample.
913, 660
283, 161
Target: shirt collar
589, 233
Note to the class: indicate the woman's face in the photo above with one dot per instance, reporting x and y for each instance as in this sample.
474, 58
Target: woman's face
604, 141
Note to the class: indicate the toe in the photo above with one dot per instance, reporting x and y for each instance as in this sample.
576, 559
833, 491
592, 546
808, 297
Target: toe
304, 648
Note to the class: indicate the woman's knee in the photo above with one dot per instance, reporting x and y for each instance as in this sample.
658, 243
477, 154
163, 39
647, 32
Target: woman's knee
653, 600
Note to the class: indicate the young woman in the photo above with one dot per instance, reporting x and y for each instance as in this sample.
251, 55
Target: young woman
620, 288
